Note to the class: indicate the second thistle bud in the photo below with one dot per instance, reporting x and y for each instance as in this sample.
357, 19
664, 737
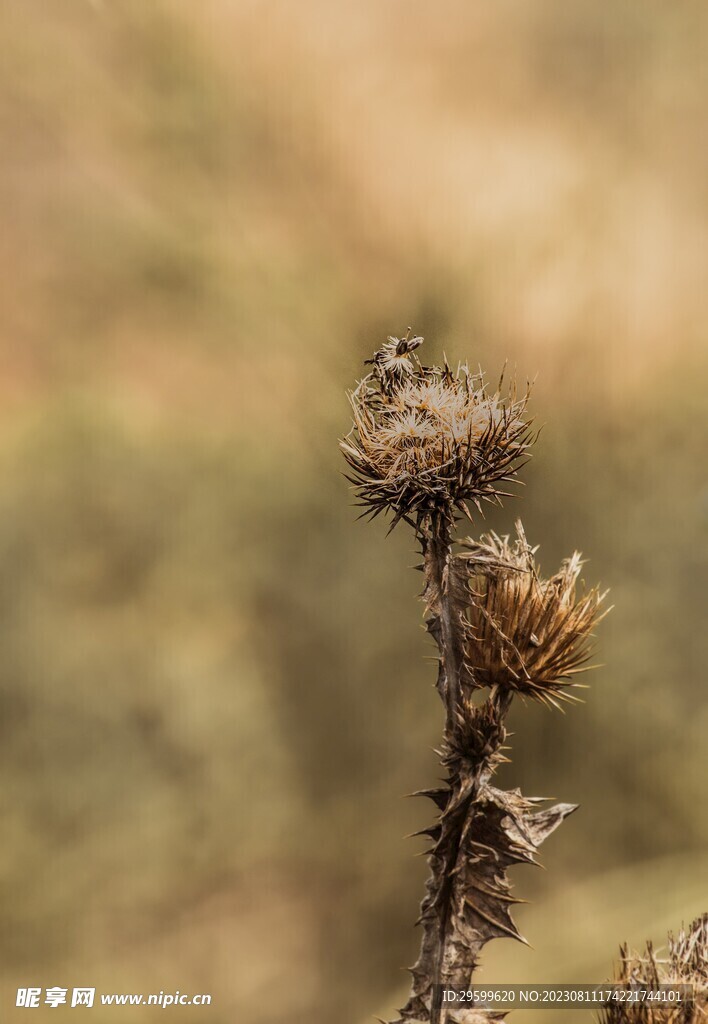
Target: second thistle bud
523, 632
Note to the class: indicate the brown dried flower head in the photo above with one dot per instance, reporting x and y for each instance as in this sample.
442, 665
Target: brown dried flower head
426, 440
522, 632
686, 963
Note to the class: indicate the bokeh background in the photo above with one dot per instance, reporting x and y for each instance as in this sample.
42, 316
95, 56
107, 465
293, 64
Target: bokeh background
213, 686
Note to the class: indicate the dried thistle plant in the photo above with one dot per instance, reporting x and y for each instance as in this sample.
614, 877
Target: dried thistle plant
686, 963
427, 443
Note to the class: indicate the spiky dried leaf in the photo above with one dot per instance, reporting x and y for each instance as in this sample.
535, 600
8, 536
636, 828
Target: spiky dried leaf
482, 832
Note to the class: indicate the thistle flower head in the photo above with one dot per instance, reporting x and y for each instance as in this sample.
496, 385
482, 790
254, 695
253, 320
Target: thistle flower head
686, 963
523, 632
427, 441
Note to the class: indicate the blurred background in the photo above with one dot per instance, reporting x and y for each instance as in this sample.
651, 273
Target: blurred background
213, 685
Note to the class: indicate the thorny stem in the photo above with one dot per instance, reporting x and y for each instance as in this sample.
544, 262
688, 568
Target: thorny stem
481, 830
444, 624
437, 550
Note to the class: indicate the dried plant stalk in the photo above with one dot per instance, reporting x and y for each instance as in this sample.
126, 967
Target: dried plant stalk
426, 444
686, 963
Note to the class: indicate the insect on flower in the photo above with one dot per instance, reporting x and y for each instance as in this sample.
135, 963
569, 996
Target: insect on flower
392, 362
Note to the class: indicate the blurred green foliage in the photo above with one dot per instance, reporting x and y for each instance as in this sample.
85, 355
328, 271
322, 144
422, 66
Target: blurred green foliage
213, 686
